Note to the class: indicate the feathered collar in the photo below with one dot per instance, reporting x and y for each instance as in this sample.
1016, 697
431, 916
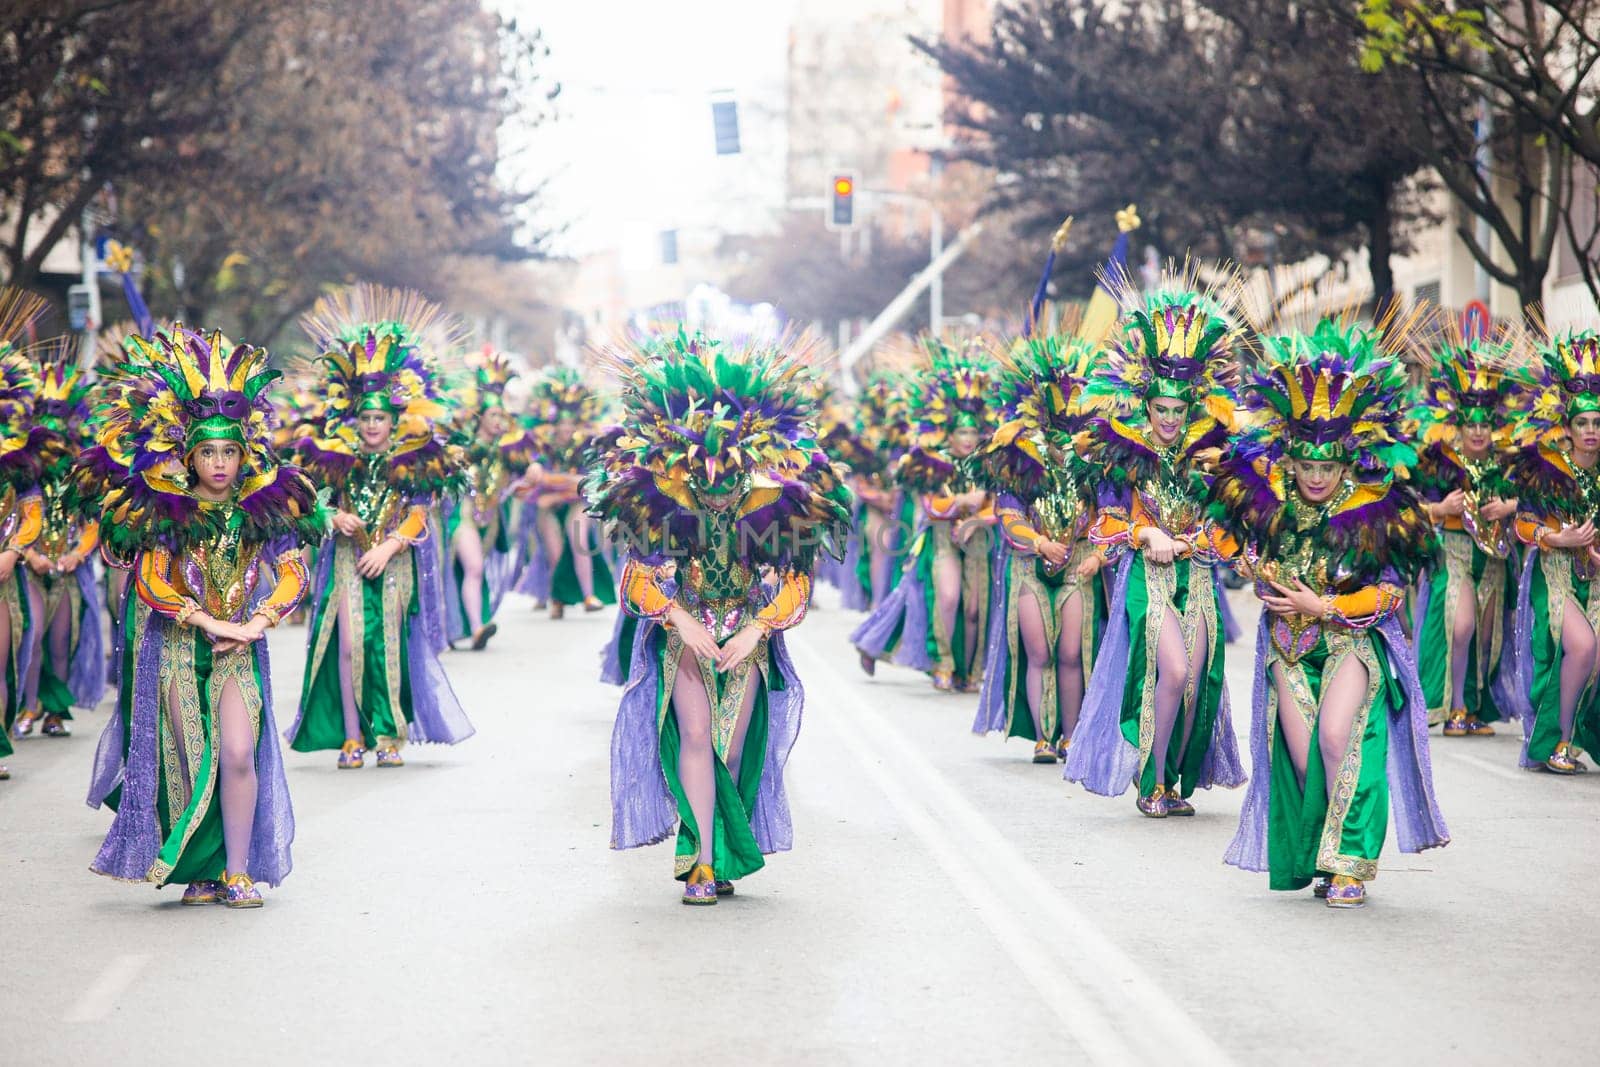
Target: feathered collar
1125, 453
1366, 528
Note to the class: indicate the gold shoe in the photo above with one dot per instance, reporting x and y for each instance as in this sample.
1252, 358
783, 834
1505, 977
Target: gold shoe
1476, 727
1562, 761
1044, 752
1456, 724
592, 603
701, 889
944, 681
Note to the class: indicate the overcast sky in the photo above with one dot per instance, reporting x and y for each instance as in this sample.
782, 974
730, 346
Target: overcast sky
630, 152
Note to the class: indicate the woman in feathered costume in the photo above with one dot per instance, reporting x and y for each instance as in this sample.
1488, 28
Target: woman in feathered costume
569, 412
1465, 420
1163, 722
936, 618
723, 498
498, 453
884, 513
201, 507
1050, 609
1556, 479
1313, 493
373, 679
68, 657
21, 513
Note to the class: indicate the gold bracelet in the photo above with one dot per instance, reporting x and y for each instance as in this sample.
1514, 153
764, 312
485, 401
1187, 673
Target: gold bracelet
189, 610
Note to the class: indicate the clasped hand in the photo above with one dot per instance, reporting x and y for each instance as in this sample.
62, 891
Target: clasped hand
697, 639
1298, 599
230, 636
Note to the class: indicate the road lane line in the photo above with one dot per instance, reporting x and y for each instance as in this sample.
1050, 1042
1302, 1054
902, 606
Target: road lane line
101, 996
1516, 774
941, 815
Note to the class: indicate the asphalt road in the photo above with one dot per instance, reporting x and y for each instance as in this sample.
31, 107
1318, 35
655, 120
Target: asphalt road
947, 902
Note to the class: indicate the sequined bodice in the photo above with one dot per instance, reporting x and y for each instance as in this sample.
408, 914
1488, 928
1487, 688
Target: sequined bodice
716, 586
1171, 500
221, 573
1059, 513
60, 528
490, 475
370, 495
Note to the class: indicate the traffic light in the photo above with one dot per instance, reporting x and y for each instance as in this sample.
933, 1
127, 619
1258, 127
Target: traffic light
725, 126
842, 202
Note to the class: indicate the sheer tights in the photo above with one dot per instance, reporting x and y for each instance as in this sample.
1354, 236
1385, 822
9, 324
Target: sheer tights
691, 706
1342, 696
1578, 659
57, 634
468, 547
579, 526
1462, 629
1068, 659
345, 627
1175, 668
236, 767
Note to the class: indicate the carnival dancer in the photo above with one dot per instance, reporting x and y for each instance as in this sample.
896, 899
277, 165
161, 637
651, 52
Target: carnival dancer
1051, 608
725, 499
477, 524
569, 412
1466, 599
885, 514
68, 656
20, 509
1556, 479
1332, 536
937, 617
1162, 721
198, 502
373, 679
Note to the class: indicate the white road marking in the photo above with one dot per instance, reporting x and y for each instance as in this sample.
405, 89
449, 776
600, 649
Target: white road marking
1001, 885
101, 996
1515, 774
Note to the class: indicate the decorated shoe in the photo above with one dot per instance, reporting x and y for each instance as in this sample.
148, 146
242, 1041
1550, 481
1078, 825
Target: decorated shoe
24, 724
1456, 724
724, 887
1061, 748
1319, 886
1044, 752
701, 888
557, 609
1476, 727
480, 636
1153, 806
1176, 805
5, 772
868, 664
389, 756
55, 726
944, 681
592, 603
352, 756
1562, 761
207, 892
1346, 892
240, 892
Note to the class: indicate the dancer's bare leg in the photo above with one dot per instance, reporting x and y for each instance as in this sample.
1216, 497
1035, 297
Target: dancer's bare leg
1036, 647
237, 746
691, 706
579, 526
468, 547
